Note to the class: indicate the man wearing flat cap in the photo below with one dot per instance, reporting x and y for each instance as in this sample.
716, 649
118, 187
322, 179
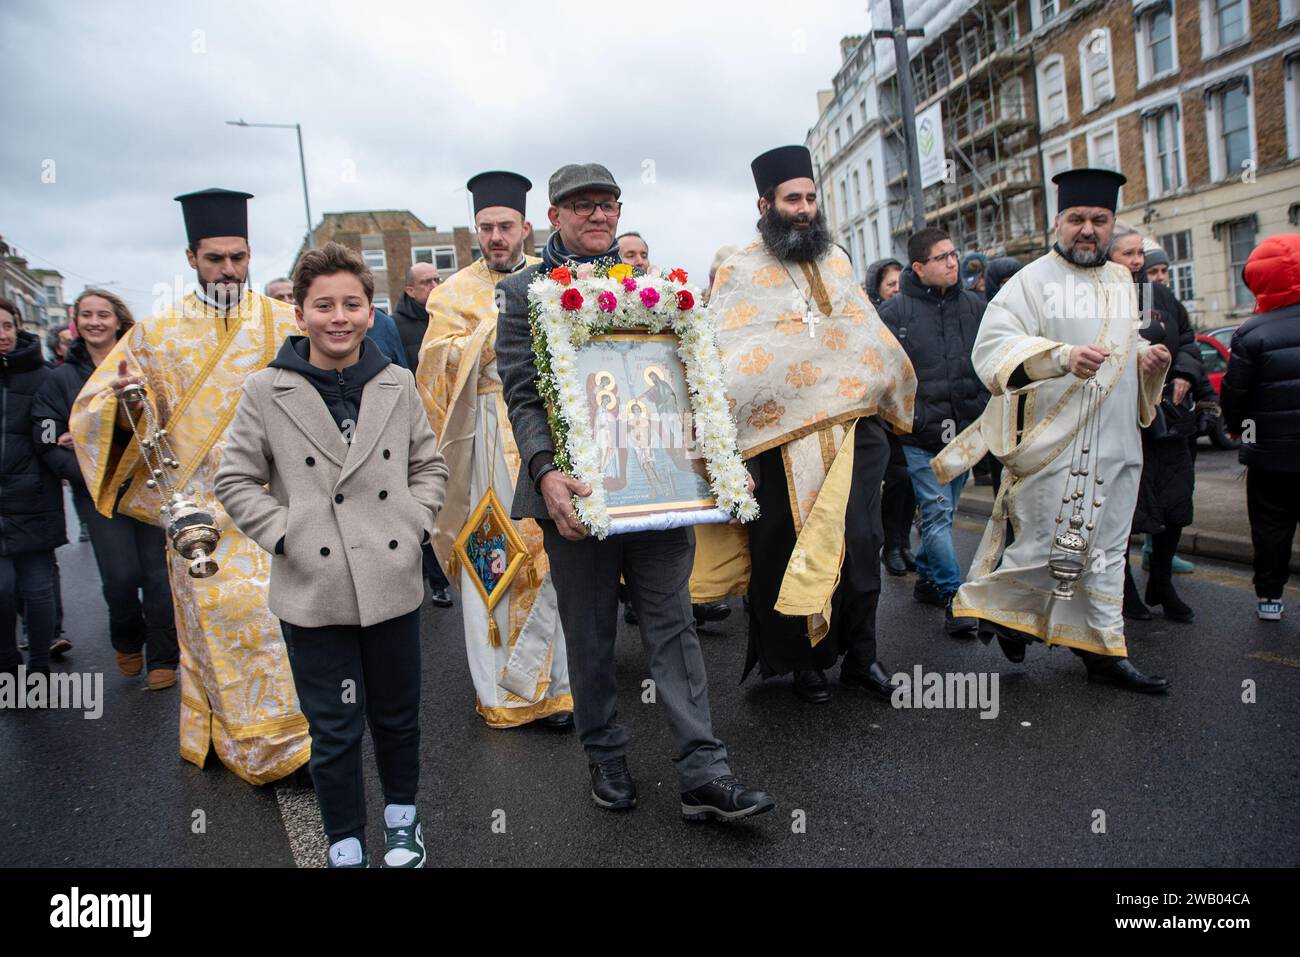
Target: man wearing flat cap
516, 649
1071, 383
812, 371
584, 214
237, 692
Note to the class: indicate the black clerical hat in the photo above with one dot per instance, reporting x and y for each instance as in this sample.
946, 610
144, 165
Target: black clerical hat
781, 164
215, 212
1088, 187
498, 188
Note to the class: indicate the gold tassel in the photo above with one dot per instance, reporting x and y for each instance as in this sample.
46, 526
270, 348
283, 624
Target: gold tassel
453, 563
534, 580
494, 636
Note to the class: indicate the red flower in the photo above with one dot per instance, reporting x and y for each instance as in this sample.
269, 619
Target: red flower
678, 275
685, 300
562, 275
572, 299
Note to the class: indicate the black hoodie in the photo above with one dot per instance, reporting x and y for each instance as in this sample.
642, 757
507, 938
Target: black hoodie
339, 388
31, 496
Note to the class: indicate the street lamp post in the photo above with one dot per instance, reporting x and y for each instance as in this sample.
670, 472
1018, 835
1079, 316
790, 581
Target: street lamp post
302, 161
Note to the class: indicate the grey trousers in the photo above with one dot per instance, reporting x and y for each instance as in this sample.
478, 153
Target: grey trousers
656, 567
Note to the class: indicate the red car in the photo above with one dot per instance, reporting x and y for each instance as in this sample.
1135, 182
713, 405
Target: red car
1214, 356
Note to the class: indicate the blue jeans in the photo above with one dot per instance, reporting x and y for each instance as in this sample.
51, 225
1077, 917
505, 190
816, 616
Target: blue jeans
936, 560
29, 576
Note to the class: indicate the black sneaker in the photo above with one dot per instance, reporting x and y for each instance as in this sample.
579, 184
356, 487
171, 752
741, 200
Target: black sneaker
724, 799
441, 598
928, 593
612, 786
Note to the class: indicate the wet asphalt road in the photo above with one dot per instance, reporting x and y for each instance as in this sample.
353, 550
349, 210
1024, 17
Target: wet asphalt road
1195, 778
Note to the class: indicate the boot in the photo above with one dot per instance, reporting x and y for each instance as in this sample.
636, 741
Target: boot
1134, 610
1161, 592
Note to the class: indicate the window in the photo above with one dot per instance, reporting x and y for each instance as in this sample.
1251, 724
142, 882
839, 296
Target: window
862, 108
1289, 10
1011, 101
1291, 69
1178, 247
375, 258
1229, 128
839, 140
1163, 129
381, 302
1095, 73
857, 192
942, 71
871, 181
1224, 23
875, 241
444, 257
1055, 162
849, 120
1052, 109
1040, 11
1241, 242
1006, 29
1021, 211
862, 246
971, 50
844, 199
1155, 40
1103, 149
979, 117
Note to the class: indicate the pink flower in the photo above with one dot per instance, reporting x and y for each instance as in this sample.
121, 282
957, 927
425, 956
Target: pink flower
607, 302
629, 284
586, 270
649, 297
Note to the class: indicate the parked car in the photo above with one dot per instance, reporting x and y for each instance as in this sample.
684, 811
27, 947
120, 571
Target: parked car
1214, 356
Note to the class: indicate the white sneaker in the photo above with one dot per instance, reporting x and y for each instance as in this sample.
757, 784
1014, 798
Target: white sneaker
1270, 609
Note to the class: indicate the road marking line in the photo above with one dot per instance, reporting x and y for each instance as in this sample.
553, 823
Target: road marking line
302, 824
1275, 659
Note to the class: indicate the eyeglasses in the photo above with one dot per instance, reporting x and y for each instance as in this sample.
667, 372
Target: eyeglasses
585, 207
954, 255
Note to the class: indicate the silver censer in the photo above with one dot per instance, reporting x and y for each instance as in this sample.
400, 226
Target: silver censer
191, 528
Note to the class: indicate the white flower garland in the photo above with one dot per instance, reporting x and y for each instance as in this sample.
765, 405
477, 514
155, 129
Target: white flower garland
566, 330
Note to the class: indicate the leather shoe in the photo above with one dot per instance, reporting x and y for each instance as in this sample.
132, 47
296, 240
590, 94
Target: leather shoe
908, 558
1121, 672
812, 686
441, 597
955, 627
160, 678
560, 721
711, 611
1013, 648
892, 559
875, 680
130, 664
1163, 594
612, 786
724, 799
928, 593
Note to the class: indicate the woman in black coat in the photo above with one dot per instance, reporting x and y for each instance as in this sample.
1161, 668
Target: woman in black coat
132, 556
31, 502
1164, 503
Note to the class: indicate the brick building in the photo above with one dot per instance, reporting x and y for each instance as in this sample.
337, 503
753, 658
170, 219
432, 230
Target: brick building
393, 240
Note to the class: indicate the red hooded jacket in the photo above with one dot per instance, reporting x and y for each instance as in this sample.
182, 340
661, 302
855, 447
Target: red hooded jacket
1272, 272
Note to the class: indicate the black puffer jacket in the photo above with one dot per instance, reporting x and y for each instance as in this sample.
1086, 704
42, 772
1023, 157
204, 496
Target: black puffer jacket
31, 496
937, 330
1262, 385
53, 404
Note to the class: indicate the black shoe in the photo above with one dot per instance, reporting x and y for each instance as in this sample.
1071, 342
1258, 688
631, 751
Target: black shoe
812, 686
629, 615
892, 559
928, 593
908, 558
1134, 609
85, 533
1013, 648
983, 479
1120, 671
875, 680
560, 721
59, 647
441, 598
1163, 594
724, 799
963, 628
612, 786
711, 611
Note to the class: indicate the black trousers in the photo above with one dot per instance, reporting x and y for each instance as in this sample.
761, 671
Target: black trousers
1274, 510
897, 500
132, 560
346, 674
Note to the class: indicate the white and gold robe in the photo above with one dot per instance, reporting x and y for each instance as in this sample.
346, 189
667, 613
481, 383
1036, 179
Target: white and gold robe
237, 691
519, 667
1037, 316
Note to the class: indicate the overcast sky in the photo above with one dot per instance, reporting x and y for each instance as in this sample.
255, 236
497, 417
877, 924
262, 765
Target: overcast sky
123, 106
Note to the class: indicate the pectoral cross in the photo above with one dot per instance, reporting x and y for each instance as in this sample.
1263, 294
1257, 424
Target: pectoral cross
810, 320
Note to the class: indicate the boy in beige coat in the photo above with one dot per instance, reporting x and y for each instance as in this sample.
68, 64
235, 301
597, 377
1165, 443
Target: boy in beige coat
332, 467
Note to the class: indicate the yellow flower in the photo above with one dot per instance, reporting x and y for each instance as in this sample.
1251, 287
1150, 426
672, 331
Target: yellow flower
620, 271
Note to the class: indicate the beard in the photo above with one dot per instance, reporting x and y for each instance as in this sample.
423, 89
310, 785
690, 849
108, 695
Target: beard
503, 260
222, 294
786, 240
1097, 257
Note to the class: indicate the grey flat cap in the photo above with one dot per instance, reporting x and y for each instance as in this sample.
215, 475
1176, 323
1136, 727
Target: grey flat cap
576, 177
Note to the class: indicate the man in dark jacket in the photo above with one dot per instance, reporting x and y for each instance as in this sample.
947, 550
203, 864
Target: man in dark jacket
935, 320
31, 502
412, 312
1261, 401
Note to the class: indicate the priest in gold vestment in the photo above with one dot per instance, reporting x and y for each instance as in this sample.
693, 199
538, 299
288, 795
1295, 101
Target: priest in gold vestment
811, 371
237, 692
513, 638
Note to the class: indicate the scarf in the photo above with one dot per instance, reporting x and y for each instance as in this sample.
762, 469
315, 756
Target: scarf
555, 254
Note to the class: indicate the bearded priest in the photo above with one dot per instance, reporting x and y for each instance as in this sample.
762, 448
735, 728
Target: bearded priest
1059, 350
811, 371
516, 649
